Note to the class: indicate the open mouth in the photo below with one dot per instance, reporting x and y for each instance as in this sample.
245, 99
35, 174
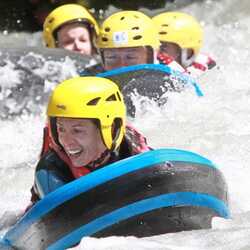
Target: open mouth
74, 153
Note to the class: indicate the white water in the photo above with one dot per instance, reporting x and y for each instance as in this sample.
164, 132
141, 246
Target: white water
216, 126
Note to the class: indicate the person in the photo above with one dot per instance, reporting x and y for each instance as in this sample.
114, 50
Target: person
41, 8
181, 38
71, 27
126, 38
86, 131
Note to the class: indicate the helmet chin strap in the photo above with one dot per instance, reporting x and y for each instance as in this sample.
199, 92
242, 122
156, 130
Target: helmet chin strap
96, 164
185, 61
155, 59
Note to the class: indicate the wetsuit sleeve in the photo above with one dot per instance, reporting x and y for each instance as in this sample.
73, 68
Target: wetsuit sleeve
51, 173
92, 70
211, 63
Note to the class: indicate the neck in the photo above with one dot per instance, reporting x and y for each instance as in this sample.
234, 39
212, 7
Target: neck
99, 162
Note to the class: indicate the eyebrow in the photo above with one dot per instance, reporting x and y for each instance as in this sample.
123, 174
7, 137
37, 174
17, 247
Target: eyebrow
131, 50
118, 52
74, 125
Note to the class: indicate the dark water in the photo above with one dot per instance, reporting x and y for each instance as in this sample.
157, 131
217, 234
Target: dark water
28, 15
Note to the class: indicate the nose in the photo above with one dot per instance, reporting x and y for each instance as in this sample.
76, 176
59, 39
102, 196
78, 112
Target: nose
122, 61
66, 139
78, 44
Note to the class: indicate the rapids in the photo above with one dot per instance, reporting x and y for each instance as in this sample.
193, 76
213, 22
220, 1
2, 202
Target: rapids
216, 126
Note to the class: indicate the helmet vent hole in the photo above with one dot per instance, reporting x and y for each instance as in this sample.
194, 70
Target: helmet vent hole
94, 101
135, 28
137, 37
51, 20
119, 97
105, 39
164, 25
163, 33
107, 29
111, 98
122, 18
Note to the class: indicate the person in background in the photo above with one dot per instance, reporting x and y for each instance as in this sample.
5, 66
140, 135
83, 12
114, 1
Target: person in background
71, 27
86, 131
181, 38
126, 38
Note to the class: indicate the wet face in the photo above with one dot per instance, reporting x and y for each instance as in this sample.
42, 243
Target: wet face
75, 37
81, 140
120, 57
171, 49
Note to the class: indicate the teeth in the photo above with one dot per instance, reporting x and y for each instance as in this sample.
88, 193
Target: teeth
73, 152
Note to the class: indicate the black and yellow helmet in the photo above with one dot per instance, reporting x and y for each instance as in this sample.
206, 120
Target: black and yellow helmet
91, 98
66, 14
128, 29
179, 28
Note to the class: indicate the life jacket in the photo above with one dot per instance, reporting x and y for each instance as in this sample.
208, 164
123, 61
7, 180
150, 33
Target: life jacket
57, 168
169, 60
132, 144
201, 64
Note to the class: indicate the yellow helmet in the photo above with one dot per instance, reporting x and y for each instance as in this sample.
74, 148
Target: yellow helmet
91, 98
179, 28
127, 29
65, 14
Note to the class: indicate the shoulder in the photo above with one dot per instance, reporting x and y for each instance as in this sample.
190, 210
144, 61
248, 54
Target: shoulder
50, 161
51, 173
201, 64
205, 60
133, 143
50, 157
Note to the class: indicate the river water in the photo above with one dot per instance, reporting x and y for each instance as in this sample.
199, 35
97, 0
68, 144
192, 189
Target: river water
216, 126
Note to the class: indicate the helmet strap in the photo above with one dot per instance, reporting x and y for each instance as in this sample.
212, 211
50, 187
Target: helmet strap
100, 51
151, 55
96, 164
116, 131
92, 165
186, 60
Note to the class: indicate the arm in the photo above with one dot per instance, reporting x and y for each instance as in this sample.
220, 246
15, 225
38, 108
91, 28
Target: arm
51, 173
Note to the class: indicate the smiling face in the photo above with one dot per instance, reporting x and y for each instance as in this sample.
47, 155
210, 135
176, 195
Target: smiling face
81, 140
75, 37
120, 57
